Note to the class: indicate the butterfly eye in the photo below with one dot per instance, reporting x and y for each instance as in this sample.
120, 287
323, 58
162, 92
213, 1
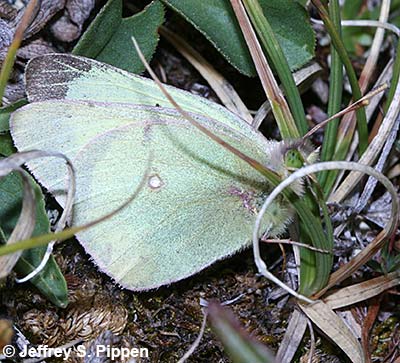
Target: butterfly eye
293, 159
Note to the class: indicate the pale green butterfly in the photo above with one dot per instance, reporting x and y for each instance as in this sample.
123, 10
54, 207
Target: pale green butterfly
200, 200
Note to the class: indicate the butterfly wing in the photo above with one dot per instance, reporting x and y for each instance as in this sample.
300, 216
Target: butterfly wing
199, 201
67, 77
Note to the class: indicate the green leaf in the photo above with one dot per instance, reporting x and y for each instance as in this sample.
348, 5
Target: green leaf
217, 21
50, 280
240, 347
354, 10
108, 38
351, 8
5, 114
6, 145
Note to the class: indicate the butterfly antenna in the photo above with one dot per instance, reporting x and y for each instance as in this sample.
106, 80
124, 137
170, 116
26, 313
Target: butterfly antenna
362, 102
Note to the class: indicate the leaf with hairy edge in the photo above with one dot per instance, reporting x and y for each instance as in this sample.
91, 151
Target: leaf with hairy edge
108, 38
50, 281
217, 21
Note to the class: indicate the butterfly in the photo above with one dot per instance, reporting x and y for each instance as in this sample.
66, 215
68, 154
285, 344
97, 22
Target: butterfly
199, 201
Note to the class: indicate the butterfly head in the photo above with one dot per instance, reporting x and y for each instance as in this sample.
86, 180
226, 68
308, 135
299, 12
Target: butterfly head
289, 155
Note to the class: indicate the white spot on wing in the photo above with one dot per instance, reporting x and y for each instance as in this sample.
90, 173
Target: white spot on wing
155, 182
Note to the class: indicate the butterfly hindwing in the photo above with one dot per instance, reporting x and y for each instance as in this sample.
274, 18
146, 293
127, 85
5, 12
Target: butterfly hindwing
199, 201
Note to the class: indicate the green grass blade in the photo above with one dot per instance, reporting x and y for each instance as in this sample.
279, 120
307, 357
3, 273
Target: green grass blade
345, 139
395, 78
279, 62
335, 95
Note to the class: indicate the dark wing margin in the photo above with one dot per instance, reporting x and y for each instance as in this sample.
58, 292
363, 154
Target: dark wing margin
47, 76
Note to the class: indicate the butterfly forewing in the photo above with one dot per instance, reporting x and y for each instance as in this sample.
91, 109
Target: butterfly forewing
67, 77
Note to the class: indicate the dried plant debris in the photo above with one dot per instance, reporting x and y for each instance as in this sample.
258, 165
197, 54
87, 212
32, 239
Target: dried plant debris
379, 210
6, 333
35, 48
179, 73
7, 11
108, 339
167, 320
69, 26
93, 312
6, 36
65, 20
319, 357
357, 230
14, 91
45, 12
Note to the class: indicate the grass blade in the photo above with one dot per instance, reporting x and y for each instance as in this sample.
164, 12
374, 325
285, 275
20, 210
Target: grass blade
335, 94
279, 62
280, 108
346, 131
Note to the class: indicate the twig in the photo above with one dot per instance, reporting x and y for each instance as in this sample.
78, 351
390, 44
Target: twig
198, 339
362, 102
312, 339
294, 243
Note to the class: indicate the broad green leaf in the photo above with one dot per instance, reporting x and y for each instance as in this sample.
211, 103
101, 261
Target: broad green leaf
108, 37
50, 280
240, 347
217, 21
